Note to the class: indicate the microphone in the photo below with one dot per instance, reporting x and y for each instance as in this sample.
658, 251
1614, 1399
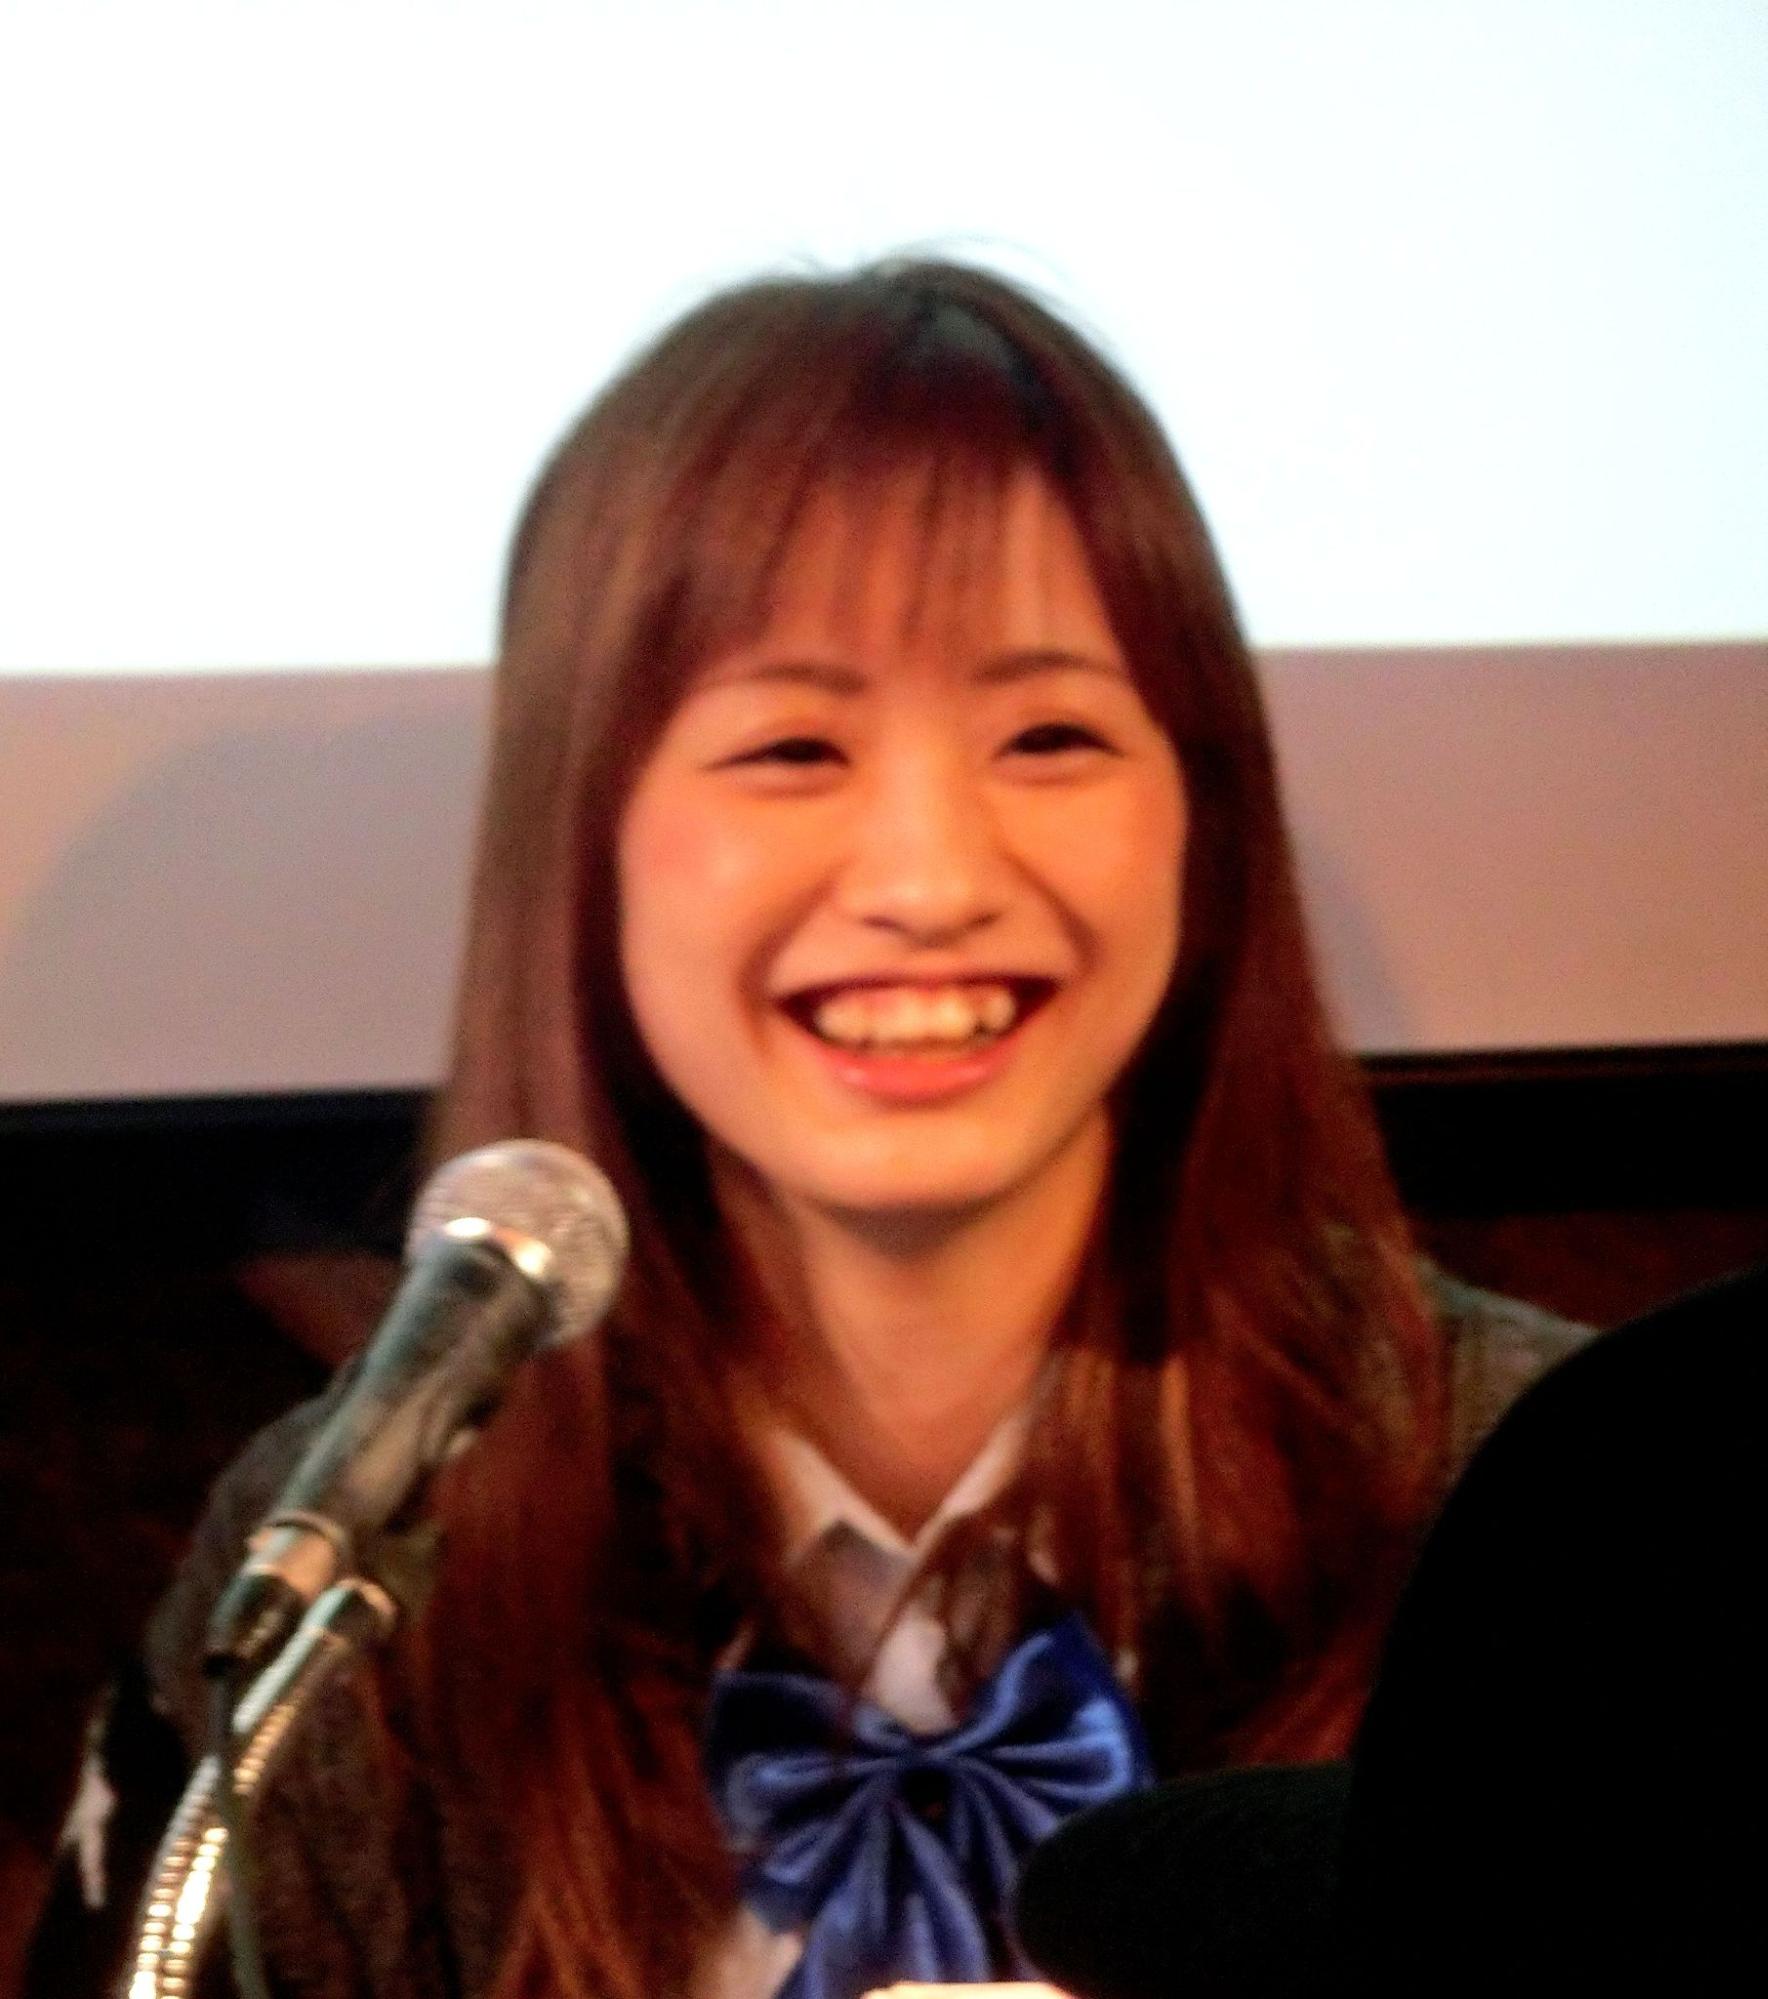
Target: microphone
511, 1248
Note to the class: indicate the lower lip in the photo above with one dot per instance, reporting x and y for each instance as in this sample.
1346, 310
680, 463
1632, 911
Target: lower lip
915, 1079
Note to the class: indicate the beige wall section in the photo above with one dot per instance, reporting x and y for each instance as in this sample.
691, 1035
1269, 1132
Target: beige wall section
1533, 847
220, 884
229, 884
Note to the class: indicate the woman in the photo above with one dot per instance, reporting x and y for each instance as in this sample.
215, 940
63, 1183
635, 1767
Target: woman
882, 877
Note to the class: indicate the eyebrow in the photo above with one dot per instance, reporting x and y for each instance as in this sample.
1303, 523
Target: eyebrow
999, 669
826, 674
1004, 667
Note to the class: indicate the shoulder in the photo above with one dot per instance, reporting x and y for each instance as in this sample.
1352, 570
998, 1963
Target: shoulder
1497, 1348
348, 1892
148, 1735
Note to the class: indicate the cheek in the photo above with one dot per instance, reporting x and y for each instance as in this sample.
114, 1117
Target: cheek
671, 849
1123, 878
663, 858
697, 886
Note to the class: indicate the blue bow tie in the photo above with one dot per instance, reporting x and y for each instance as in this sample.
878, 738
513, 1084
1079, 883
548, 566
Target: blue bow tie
896, 1853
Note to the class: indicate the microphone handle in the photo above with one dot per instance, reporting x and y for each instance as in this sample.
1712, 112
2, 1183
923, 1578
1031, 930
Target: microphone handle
463, 1319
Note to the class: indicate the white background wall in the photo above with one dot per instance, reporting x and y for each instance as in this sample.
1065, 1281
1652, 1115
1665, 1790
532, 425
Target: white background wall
1457, 311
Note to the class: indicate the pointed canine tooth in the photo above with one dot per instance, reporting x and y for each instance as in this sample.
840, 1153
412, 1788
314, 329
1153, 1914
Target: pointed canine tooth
997, 1009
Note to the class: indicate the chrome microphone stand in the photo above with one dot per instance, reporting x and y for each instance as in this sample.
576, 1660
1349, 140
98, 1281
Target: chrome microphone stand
186, 1894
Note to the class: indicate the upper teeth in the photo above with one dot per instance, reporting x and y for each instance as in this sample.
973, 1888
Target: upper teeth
865, 1016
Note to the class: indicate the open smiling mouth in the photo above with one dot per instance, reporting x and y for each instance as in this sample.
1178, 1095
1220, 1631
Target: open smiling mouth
927, 1022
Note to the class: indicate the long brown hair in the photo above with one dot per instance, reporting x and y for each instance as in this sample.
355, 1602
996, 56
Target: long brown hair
1243, 1425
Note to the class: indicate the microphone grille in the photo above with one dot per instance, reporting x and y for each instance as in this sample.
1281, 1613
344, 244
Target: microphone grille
532, 1187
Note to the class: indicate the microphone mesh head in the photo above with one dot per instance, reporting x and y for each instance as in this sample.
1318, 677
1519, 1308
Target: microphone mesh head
531, 1187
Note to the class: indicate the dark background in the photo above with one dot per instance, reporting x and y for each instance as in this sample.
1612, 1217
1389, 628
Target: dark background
176, 1273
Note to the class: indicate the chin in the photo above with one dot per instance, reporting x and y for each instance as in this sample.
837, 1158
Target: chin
919, 1194
928, 1201
908, 1226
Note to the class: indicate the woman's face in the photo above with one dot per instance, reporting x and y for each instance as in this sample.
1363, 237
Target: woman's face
900, 883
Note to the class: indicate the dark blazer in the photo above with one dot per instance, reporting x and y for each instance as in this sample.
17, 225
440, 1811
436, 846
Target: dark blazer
359, 1902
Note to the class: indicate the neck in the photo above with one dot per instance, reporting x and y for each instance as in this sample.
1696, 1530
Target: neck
898, 1346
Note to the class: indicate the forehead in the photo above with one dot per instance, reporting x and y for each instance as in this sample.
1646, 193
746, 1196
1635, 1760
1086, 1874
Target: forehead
936, 561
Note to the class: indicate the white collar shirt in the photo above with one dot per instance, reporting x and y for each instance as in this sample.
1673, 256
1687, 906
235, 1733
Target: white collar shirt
858, 1573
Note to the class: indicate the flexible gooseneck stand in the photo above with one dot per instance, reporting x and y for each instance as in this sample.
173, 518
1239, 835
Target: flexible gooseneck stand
186, 1894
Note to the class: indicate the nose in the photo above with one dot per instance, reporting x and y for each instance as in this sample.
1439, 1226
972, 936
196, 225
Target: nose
926, 860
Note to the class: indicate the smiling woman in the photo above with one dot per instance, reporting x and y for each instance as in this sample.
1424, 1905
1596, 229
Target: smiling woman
875, 863
900, 890
1021, 1385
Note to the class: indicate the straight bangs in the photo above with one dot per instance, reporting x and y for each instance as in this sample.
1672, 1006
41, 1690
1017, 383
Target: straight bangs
895, 406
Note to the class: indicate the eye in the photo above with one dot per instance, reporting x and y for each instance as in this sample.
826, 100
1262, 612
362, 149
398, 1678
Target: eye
786, 766
1052, 739
790, 752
